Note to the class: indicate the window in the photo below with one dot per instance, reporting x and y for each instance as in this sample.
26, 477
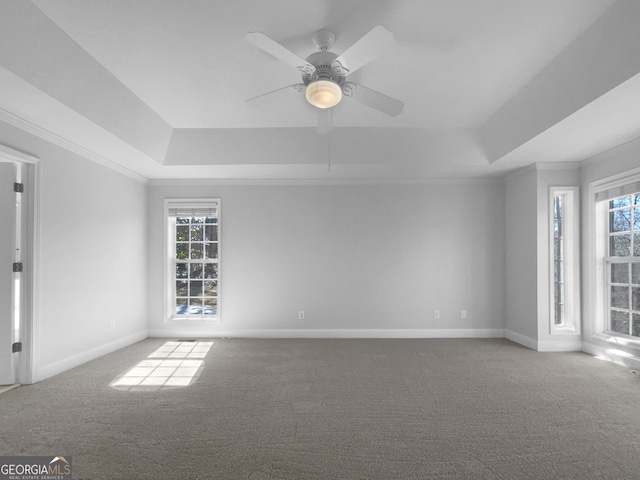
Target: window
623, 265
564, 249
193, 260
558, 258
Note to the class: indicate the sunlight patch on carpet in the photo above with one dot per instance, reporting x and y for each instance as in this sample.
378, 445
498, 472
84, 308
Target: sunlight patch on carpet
174, 364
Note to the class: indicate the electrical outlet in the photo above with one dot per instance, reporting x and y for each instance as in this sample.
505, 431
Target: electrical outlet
436, 314
301, 315
112, 324
463, 314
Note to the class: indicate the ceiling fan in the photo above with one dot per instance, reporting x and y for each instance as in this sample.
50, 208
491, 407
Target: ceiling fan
324, 73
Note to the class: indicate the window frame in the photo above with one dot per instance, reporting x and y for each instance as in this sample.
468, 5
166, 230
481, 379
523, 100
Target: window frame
596, 341
570, 324
169, 280
608, 260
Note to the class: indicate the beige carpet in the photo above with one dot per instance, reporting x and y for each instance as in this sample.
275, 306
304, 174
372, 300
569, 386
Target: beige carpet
339, 409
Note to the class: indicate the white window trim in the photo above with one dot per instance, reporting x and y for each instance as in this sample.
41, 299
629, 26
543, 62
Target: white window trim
600, 232
571, 321
169, 274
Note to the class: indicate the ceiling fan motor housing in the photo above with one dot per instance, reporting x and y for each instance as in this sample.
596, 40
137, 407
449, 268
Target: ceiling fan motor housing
324, 71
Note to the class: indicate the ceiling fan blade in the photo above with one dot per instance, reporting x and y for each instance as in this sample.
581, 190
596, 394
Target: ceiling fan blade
371, 98
373, 44
324, 120
275, 94
272, 47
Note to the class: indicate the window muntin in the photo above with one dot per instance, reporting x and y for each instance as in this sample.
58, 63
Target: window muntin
623, 265
194, 252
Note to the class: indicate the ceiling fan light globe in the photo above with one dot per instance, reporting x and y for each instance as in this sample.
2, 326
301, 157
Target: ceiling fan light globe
323, 93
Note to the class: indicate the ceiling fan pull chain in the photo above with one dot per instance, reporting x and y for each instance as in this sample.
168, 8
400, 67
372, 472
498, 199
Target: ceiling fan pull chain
329, 135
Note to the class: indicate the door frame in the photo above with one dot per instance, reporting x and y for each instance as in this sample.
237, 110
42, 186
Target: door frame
28, 359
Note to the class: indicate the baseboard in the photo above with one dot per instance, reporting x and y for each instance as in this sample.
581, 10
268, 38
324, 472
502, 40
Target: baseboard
521, 339
47, 371
561, 344
332, 333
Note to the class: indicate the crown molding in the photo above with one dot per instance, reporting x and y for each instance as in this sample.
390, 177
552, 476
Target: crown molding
44, 134
321, 182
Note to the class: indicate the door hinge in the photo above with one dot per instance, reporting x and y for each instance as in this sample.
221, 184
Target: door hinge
18, 187
16, 347
17, 267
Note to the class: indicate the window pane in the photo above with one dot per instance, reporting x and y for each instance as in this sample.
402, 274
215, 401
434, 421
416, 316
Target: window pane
182, 251
637, 199
635, 326
635, 273
197, 220
620, 220
196, 251
211, 306
635, 298
620, 322
181, 306
195, 306
211, 270
558, 313
212, 250
210, 288
182, 220
196, 233
558, 214
211, 233
636, 218
636, 244
181, 270
182, 233
195, 270
620, 297
620, 202
619, 245
211, 220
619, 273
195, 288
181, 288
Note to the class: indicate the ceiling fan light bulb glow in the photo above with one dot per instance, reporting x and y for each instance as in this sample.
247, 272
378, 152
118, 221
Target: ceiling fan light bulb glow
323, 93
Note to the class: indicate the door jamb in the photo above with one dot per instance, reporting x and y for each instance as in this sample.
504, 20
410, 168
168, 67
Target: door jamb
27, 371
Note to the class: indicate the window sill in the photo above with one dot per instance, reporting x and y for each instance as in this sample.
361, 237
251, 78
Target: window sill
559, 330
193, 320
618, 338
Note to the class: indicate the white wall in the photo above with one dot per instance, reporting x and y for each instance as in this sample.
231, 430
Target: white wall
93, 264
521, 257
356, 258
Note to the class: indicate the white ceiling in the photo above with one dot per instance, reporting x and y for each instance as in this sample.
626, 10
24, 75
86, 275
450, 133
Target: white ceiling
159, 87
